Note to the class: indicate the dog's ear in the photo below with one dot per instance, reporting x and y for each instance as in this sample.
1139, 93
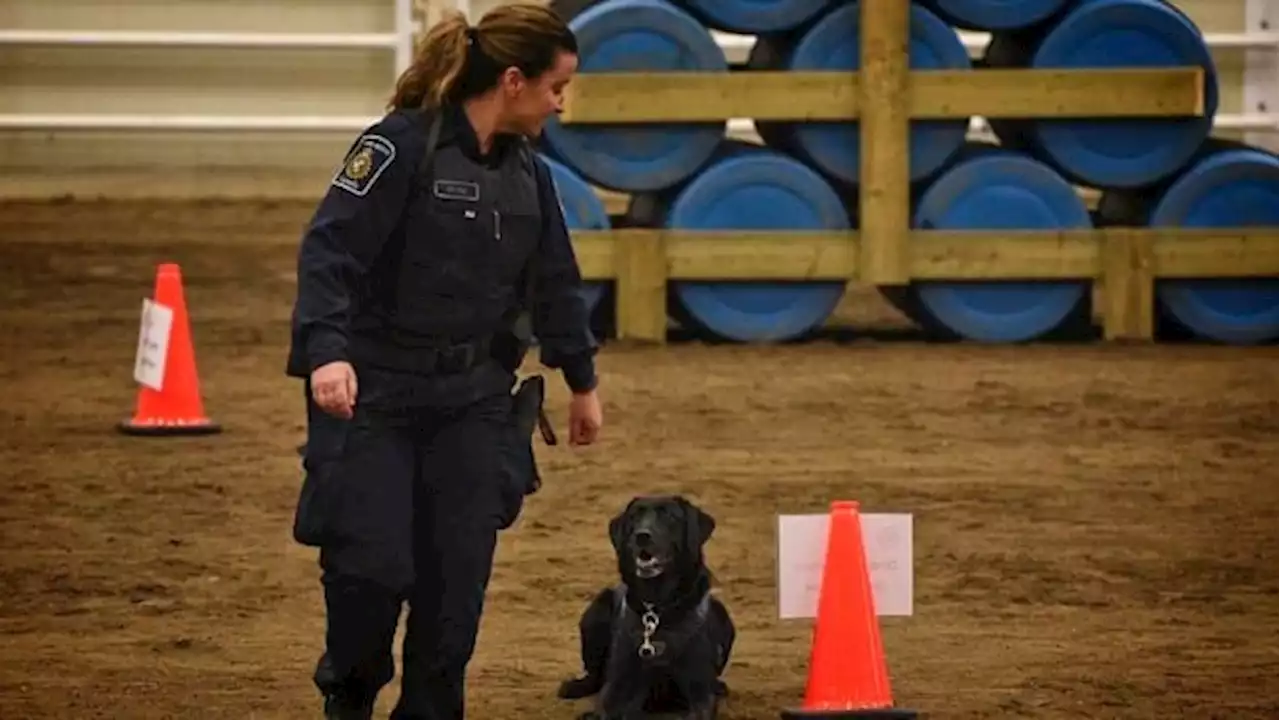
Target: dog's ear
618, 527
698, 524
706, 525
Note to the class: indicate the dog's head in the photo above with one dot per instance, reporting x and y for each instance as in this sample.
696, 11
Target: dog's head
660, 536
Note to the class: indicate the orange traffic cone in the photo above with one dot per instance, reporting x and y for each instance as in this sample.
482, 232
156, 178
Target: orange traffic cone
169, 400
847, 674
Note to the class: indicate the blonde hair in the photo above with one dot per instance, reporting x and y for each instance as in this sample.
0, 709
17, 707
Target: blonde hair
454, 61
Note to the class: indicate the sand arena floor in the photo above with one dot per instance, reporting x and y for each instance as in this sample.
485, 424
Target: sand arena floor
1096, 526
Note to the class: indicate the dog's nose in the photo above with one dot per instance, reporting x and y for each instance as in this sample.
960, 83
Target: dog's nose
644, 538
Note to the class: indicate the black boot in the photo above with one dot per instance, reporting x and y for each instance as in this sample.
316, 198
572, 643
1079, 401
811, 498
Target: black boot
338, 708
341, 702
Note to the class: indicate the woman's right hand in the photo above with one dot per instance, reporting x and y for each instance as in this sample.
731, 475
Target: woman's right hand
333, 386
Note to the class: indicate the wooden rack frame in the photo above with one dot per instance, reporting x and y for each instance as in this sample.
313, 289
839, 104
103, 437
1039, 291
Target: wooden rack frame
884, 96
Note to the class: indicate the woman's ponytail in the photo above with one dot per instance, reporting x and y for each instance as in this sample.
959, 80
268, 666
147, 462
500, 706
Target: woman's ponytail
446, 68
438, 65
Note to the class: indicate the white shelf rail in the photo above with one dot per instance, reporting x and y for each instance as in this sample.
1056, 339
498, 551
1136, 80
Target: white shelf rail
159, 38
401, 41
209, 123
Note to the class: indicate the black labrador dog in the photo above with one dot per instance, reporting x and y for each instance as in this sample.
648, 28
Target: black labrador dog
655, 645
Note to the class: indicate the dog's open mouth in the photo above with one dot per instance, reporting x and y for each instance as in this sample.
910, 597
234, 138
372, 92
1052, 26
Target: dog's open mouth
648, 565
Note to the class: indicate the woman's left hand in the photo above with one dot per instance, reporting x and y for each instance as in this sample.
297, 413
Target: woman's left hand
585, 418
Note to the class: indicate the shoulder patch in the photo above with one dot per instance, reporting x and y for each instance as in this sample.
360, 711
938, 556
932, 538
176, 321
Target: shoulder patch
369, 157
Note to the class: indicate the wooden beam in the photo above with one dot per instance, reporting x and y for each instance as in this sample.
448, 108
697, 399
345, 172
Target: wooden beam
884, 193
1215, 252
597, 253
763, 256
641, 289
709, 96
935, 94
1117, 92
932, 254
726, 254
1003, 255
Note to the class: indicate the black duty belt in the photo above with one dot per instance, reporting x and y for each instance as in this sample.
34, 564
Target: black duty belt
423, 359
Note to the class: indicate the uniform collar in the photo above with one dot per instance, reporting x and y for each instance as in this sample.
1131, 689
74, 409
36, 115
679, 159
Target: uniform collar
457, 128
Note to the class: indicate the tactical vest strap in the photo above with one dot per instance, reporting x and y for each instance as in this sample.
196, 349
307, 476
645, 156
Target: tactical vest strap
435, 119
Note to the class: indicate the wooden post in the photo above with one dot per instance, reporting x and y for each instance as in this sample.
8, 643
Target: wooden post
884, 199
641, 287
1098, 301
1128, 287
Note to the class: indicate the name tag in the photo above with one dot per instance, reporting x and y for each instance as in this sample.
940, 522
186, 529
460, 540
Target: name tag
461, 190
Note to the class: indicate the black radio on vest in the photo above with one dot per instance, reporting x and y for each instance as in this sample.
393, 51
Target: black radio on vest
426, 266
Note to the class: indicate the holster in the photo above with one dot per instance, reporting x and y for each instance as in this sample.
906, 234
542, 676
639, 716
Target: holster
520, 475
508, 350
509, 347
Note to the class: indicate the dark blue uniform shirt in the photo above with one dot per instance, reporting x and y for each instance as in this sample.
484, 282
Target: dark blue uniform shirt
342, 263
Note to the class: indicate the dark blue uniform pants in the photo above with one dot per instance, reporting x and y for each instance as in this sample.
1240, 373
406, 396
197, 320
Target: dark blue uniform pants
405, 505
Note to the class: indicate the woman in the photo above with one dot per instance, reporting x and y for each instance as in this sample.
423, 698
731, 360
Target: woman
411, 276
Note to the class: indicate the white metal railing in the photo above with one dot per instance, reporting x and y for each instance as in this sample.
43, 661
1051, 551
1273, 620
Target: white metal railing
400, 41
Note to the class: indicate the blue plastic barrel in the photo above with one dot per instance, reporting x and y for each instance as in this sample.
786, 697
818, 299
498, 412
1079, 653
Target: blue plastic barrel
752, 17
755, 189
1234, 186
1103, 153
994, 15
570, 9
631, 36
833, 43
999, 189
583, 210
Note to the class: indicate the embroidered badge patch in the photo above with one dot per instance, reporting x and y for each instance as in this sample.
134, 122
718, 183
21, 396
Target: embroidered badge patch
370, 156
463, 190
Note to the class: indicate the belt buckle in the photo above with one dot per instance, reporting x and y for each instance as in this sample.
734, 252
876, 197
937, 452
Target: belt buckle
457, 358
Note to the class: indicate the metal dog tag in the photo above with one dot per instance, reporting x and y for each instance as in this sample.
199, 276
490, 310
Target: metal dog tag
652, 649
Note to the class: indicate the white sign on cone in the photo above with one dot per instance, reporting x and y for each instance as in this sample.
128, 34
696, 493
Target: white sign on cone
153, 344
802, 545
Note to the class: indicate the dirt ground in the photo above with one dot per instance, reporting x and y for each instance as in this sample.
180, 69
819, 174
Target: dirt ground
1095, 525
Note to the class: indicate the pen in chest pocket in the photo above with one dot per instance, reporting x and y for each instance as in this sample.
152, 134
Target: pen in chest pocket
497, 225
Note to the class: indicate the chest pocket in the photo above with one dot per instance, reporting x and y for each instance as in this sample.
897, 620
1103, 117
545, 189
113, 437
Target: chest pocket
520, 216
457, 241
477, 229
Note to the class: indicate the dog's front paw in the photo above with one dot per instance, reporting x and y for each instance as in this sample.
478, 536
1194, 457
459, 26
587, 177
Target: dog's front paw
577, 688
